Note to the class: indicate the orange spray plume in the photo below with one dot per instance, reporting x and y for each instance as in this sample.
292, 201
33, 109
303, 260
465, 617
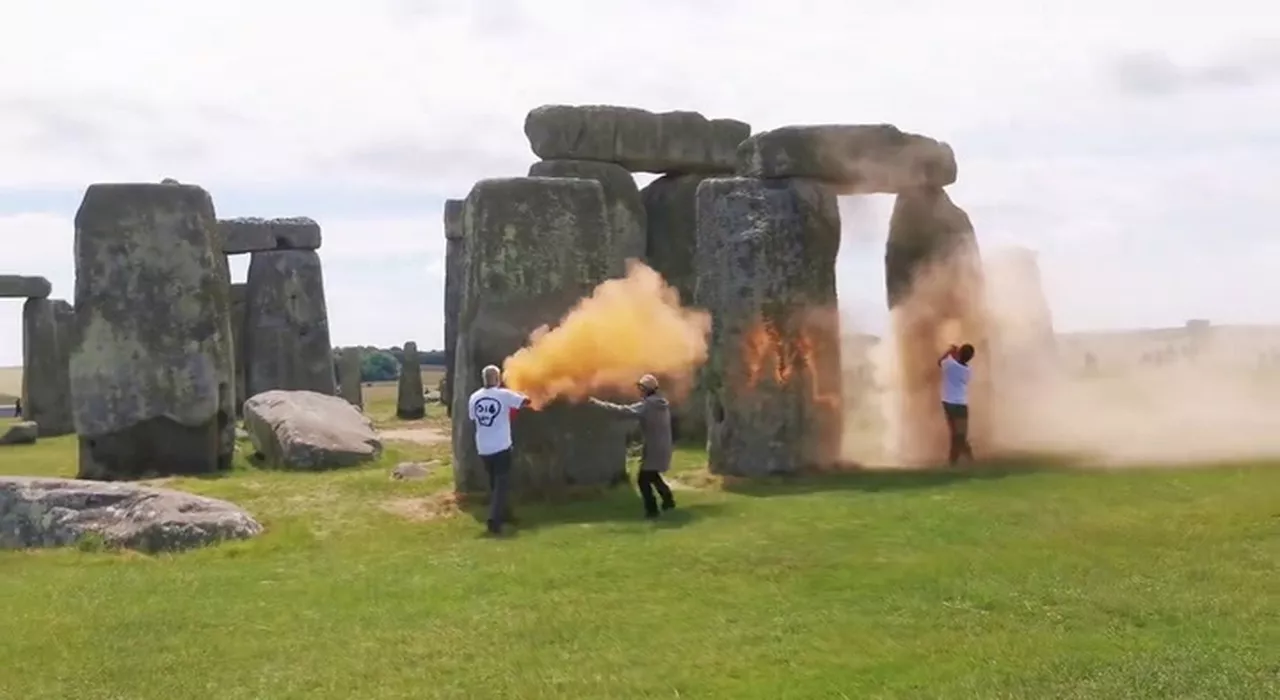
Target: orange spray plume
626, 328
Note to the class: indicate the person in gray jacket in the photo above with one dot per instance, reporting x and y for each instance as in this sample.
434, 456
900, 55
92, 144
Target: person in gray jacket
655, 426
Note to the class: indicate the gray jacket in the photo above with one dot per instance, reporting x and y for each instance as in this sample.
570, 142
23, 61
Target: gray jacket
655, 425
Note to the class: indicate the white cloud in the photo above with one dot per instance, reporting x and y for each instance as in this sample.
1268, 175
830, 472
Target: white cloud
1133, 142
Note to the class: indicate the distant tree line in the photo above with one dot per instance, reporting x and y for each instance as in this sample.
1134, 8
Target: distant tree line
383, 364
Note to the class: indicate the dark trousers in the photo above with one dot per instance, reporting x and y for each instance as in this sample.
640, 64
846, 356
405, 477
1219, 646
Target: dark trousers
648, 482
498, 465
958, 425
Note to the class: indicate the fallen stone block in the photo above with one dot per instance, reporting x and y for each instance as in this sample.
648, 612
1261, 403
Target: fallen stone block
37, 512
636, 139
310, 431
853, 158
20, 433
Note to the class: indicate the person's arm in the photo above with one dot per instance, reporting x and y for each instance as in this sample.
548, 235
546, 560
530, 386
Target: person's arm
516, 401
951, 350
634, 410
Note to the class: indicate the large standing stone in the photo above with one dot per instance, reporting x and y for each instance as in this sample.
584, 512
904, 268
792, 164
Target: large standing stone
455, 269
671, 207
856, 159
934, 285
626, 212
410, 398
46, 358
239, 301
766, 255
287, 324
254, 235
151, 359
349, 376
24, 287
534, 250
636, 139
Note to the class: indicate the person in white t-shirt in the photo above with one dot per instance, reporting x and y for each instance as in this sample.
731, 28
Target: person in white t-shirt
955, 398
491, 408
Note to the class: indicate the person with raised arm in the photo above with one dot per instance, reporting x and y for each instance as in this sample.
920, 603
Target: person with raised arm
955, 399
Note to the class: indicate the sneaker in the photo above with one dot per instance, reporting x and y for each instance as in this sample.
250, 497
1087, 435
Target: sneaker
668, 506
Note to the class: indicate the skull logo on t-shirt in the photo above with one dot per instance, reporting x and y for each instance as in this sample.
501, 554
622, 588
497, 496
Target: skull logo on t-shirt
487, 410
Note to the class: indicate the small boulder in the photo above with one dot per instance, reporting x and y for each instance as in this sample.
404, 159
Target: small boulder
411, 471
21, 433
309, 430
433, 396
36, 512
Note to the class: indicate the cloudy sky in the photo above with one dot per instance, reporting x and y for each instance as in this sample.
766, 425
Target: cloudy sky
1134, 143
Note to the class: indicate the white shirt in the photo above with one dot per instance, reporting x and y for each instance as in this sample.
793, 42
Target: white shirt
955, 382
490, 410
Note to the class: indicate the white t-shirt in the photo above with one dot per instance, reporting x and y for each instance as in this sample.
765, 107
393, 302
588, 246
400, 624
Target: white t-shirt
490, 410
955, 382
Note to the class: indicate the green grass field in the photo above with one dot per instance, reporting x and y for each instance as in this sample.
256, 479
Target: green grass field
1012, 583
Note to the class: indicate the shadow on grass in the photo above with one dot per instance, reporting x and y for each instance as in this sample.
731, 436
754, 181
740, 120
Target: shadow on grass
872, 479
619, 505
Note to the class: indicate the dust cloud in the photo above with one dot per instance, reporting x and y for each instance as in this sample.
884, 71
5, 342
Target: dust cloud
626, 328
1189, 395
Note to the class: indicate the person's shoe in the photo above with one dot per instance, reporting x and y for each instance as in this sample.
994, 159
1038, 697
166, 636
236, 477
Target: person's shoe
668, 506
493, 529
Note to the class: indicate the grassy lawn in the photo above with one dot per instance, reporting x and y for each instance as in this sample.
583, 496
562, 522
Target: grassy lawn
1018, 583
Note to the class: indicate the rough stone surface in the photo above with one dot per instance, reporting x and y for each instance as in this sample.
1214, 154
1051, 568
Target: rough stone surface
534, 250
239, 300
627, 218
287, 324
37, 512
455, 268
766, 266
670, 204
935, 290
410, 401
151, 359
47, 325
21, 433
254, 235
24, 287
412, 471
636, 139
310, 431
349, 384
856, 159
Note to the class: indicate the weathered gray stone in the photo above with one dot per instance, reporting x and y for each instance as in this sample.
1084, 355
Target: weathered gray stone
934, 283
254, 235
37, 512
21, 433
151, 359
287, 324
636, 139
47, 325
855, 159
626, 230
24, 287
239, 311
349, 374
670, 204
766, 272
310, 431
412, 471
534, 250
410, 402
455, 270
